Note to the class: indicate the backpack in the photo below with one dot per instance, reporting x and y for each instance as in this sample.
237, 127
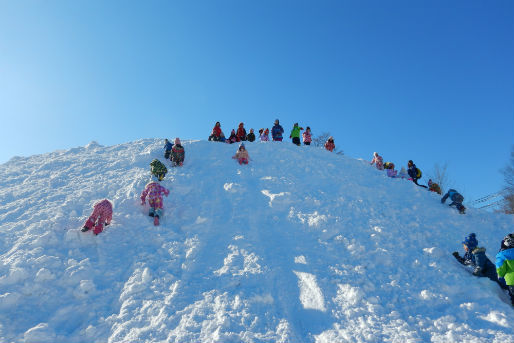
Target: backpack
157, 167
418, 173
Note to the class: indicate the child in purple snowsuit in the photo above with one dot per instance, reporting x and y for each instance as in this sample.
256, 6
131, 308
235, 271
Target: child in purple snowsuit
154, 191
102, 215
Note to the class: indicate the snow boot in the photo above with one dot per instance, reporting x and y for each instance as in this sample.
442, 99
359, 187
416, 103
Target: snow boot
85, 228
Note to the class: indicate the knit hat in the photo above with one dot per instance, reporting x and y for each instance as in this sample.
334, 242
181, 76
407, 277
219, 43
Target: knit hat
508, 241
177, 141
241, 146
470, 241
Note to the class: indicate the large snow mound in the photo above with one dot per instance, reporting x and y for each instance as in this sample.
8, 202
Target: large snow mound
301, 245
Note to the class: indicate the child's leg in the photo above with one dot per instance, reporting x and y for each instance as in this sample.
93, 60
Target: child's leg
511, 293
158, 212
151, 213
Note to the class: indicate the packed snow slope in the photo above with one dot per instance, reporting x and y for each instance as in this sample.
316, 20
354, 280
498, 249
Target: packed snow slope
301, 245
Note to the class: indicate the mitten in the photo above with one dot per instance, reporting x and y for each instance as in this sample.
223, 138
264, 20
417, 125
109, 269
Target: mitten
456, 254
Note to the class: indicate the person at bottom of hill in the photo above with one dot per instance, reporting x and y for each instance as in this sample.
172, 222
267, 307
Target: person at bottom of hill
414, 173
389, 166
241, 133
232, 138
158, 169
505, 263
307, 136
154, 191
276, 131
251, 136
329, 144
216, 133
456, 199
264, 136
102, 215
177, 153
476, 258
295, 134
241, 155
167, 148
434, 187
378, 161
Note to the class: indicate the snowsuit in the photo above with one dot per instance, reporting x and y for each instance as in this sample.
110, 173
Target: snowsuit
167, 149
456, 199
177, 155
379, 161
241, 133
329, 145
276, 133
295, 134
102, 214
413, 173
232, 138
307, 139
158, 169
505, 268
154, 191
242, 156
482, 266
251, 137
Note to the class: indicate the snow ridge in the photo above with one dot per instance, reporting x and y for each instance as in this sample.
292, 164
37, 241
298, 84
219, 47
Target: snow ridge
302, 245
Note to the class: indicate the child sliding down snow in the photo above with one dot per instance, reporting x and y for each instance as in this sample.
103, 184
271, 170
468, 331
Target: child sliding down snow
102, 214
154, 191
241, 155
177, 153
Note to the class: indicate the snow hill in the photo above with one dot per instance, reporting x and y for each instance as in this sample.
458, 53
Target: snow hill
302, 245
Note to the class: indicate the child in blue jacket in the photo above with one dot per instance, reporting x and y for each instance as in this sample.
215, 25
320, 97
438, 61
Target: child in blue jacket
456, 199
505, 263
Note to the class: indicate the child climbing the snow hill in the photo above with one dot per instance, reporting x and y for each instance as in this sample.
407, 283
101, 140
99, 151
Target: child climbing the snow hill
456, 199
154, 191
264, 136
295, 134
167, 148
434, 187
505, 263
414, 173
307, 137
329, 144
177, 153
158, 169
475, 257
378, 160
102, 215
276, 131
251, 136
242, 155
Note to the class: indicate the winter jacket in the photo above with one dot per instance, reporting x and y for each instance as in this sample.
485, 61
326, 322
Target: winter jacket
168, 146
216, 131
307, 136
295, 132
177, 153
154, 191
505, 265
276, 132
157, 168
329, 145
241, 133
482, 266
455, 197
379, 162
434, 187
250, 137
413, 172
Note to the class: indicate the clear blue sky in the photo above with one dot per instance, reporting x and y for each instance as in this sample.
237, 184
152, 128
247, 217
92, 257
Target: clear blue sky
431, 81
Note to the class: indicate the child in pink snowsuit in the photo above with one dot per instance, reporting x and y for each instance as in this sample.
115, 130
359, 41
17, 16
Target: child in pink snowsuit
154, 191
241, 155
378, 160
102, 214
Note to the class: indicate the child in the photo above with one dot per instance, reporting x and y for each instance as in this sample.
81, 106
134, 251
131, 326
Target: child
475, 257
378, 160
434, 187
403, 174
158, 169
265, 136
276, 132
307, 137
154, 191
242, 155
329, 144
232, 138
102, 214
389, 166
216, 133
177, 154
414, 173
167, 148
251, 136
456, 199
241, 133
295, 134
505, 263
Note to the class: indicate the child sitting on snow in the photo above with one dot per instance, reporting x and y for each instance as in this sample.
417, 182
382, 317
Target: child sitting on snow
102, 215
242, 155
251, 136
378, 160
158, 169
403, 174
264, 136
329, 144
154, 191
177, 154
389, 166
232, 138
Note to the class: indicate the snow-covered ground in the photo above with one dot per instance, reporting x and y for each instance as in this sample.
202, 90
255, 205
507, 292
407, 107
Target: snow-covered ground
302, 245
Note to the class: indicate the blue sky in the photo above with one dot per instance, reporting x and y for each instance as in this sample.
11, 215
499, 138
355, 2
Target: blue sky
431, 81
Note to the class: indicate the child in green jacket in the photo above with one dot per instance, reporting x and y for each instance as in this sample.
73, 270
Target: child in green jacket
295, 134
505, 263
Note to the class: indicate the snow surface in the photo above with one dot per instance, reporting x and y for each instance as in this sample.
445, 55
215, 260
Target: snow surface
301, 245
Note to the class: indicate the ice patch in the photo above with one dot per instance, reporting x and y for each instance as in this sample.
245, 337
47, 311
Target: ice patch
311, 296
300, 260
239, 262
272, 196
312, 219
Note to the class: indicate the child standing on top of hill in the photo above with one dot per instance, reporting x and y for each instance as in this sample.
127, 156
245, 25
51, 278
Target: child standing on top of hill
177, 153
167, 148
276, 131
505, 263
378, 160
102, 215
329, 144
154, 191
242, 155
295, 134
158, 169
307, 137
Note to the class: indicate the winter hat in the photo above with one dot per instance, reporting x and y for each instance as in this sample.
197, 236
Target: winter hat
251, 130
410, 162
470, 241
295, 124
261, 131
177, 141
166, 140
308, 128
266, 131
375, 153
276, 121
241, 124
241, 146
430, 182
508, 241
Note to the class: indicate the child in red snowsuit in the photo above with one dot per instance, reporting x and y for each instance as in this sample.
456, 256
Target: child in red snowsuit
102, 214
329, 144
154, 191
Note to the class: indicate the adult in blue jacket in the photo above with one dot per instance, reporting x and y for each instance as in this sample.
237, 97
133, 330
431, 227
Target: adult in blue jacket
456, 199
277, 131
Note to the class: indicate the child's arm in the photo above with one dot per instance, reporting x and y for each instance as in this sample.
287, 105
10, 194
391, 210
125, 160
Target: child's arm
143, 196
